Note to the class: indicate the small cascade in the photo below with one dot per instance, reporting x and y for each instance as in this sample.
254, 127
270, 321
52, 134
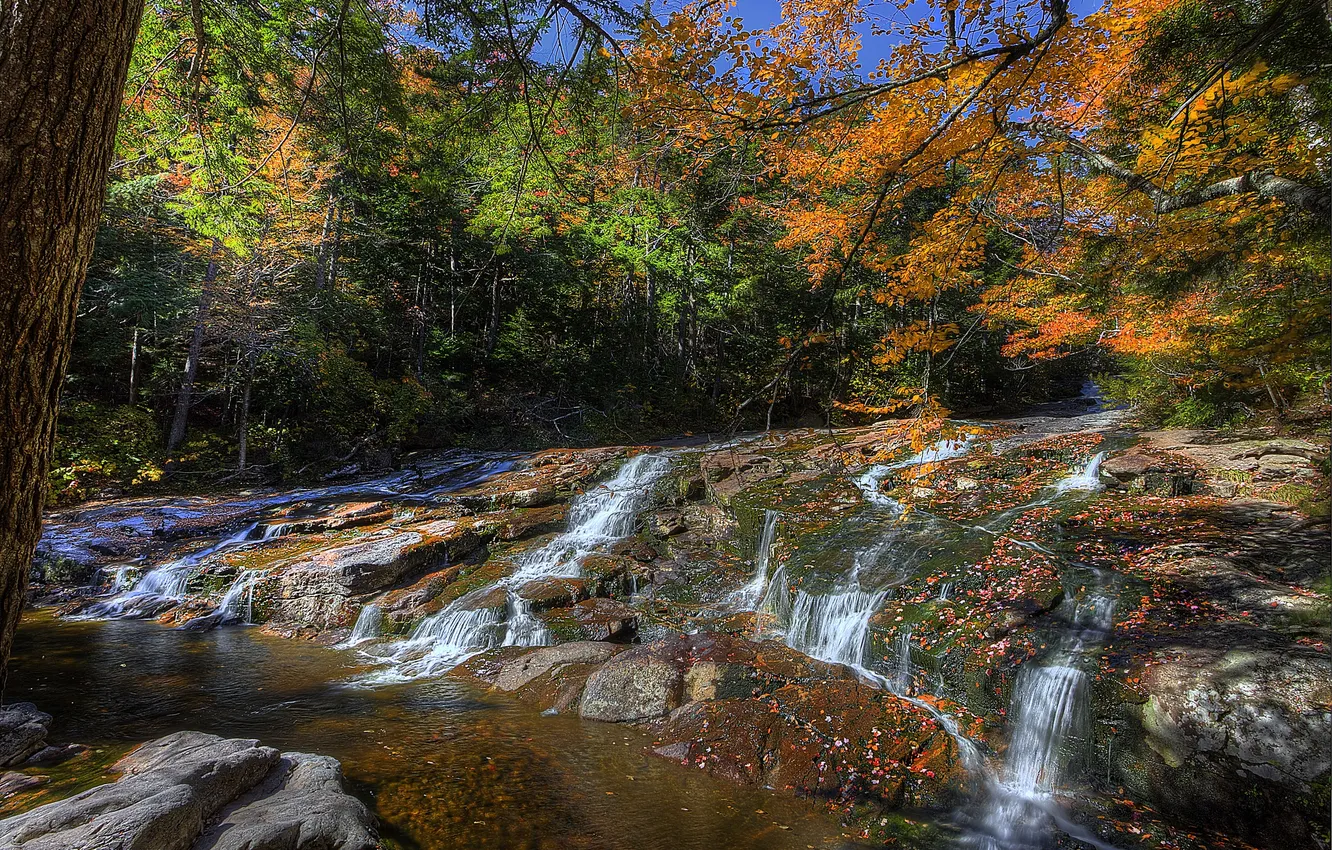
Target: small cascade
751, 595
903, 671
450, 637
1087, 479
835, 626
1051, 709
366, 627
871, 480
776, 602
120, 578
524, 629
1051, 719
165, 584
945, 591
277, 529
597, 518
237, 605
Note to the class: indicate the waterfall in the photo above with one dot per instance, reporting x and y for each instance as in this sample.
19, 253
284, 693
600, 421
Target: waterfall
120, 578
451, 637
165, 584
239, 598
1086, 479
1051, 714
834, 627
597, 519
945, 591
1050, 708
776, 601
524, 629
366, 626
277, 529
751, 595
871, 480
902, 675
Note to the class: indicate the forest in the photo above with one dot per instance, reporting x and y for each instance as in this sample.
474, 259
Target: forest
334, 233
682, 425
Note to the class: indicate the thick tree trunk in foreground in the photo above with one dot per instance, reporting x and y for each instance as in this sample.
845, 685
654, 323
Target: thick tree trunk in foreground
62, 72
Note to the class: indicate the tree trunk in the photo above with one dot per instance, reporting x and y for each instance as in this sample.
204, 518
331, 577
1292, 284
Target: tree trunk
62, 73
134, 366
186, 393
242, 444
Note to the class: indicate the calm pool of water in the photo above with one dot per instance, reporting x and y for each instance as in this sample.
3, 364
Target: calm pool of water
442, 764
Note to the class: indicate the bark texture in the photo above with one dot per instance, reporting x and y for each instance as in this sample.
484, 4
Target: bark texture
62, 73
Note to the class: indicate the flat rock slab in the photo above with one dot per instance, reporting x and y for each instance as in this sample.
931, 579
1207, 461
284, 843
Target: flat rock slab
191, 791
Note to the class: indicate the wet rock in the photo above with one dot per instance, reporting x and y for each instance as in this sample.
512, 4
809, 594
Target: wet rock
52, 755
608, 575
554, 592
171, 788
520, 672
963, 483
12, 782
315, 591
523, 523
667, 523
727, 473
494, 597
349, 515
636, 685
1219, 726
1147, 473
604, 619
22, 732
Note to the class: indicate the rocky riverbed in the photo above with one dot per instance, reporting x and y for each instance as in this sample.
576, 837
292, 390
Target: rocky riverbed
1050, 630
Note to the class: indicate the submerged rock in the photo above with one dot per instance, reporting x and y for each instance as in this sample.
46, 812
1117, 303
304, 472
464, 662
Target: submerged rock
191, 791
756, 713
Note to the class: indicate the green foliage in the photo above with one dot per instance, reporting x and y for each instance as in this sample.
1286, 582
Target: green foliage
100, 447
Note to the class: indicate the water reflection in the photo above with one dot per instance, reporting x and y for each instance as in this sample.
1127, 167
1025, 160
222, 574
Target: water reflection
443, 765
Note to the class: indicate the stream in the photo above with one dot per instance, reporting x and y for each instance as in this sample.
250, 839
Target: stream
840, 567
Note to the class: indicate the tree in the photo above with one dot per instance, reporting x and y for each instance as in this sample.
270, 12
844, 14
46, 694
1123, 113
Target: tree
62, 69
1046, 133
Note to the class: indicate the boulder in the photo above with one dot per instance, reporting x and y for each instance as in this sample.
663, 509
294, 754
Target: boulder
1147, 473
640, 684
22, 732
171, 788
554, 592
522, 671
604, 619
300, 805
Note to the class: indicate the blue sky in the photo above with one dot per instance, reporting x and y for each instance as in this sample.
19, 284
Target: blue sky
762, 13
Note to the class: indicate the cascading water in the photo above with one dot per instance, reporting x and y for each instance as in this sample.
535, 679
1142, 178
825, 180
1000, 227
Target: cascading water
902, 672
751, 595
366, 627
1051, 718
1086, 479
237, 604
871, 480
523, 628
835, 626
277, 529
165, 584
597, 519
